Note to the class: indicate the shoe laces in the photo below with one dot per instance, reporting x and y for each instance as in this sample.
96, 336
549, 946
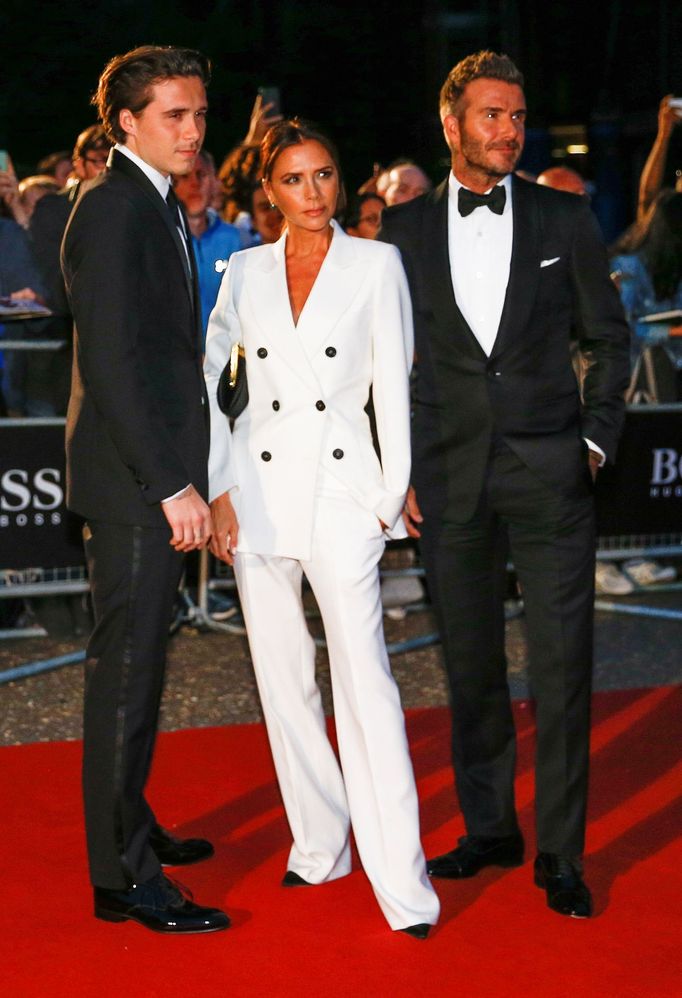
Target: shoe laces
564, 867
164, 891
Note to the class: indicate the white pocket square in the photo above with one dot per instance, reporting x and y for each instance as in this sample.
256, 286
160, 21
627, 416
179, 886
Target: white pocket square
548, 263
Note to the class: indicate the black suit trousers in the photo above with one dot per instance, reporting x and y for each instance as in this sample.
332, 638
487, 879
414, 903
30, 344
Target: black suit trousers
134, 575
551, 540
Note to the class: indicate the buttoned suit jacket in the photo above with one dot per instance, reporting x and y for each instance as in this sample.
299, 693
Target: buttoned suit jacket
525, 391
308, 388
136, 427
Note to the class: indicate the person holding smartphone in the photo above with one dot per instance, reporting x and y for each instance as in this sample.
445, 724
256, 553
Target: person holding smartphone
9, 191
651, 180
19, 280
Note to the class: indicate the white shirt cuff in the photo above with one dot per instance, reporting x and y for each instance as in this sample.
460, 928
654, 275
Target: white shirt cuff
597, 450
177, 494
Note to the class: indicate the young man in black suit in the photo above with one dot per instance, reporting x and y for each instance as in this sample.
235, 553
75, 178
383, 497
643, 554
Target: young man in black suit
504, 456
136, 442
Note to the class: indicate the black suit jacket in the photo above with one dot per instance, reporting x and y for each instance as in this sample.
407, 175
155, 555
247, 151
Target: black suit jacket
526, 391
136, 430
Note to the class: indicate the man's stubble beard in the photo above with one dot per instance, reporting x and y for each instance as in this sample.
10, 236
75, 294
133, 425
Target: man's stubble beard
474, 155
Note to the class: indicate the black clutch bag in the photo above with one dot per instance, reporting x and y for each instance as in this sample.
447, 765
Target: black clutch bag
233, 389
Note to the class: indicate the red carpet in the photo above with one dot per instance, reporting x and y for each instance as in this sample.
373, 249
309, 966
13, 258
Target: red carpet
496, 936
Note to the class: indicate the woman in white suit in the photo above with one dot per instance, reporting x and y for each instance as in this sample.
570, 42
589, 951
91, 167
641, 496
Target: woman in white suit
297, 488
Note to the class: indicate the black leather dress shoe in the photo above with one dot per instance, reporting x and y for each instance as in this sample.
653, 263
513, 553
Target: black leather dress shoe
291, 879
178, 852
160, 905
418, 931
566, 890
473, 853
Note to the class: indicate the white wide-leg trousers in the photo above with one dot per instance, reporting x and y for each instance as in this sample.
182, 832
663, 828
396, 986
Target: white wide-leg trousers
377, 790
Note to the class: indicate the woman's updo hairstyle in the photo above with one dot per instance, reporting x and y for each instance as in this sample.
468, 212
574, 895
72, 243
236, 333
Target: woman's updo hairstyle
294, 132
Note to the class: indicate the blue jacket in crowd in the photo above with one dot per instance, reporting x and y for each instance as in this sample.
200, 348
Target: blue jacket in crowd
212, 251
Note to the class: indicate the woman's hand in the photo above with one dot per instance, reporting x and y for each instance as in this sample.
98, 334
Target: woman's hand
225, 529
260, 121
667, 116
412, 514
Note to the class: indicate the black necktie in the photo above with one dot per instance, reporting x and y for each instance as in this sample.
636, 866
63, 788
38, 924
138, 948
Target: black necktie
174, 209
468, 201
173, 206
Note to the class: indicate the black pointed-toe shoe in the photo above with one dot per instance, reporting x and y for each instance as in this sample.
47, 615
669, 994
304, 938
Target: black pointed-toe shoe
178, 852
562, 881
473, 853
158, 904
291, 879
418, 931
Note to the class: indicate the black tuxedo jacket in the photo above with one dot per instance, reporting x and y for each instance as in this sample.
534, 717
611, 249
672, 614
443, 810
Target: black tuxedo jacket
136, 430
526, 391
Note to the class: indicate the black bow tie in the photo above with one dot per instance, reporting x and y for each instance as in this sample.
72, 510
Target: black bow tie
468, 201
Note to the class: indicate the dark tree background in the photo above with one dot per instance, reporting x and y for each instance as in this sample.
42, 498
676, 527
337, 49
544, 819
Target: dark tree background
367, 72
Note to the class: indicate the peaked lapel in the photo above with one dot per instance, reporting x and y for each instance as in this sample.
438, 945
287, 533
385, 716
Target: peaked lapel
336, 285
524, 272
122, 164
265, 287
436, 247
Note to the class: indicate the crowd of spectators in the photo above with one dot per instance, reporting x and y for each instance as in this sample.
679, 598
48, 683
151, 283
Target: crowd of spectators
228, 210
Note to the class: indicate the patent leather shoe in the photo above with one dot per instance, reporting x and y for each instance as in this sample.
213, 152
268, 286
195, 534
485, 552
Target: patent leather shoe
562, 881
473, 853
418, 931
158, 904
291, 879
178, 852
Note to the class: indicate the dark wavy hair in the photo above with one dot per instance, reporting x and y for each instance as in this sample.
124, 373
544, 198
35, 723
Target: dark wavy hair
126, 81
658, 241
239, 175
91, 139
294, 132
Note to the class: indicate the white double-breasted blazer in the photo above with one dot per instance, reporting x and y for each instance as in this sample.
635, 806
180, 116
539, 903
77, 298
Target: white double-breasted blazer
308, 387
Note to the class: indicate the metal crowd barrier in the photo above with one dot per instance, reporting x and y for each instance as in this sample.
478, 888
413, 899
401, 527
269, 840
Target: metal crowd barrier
31, 344
35, 581
201, 612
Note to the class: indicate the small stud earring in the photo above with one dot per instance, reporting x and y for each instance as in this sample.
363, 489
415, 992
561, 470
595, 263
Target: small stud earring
272, 204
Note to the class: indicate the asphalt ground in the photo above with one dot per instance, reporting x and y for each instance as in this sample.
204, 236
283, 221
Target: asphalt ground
210, 680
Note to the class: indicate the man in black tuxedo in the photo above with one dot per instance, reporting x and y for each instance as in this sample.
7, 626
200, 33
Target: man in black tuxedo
136, 441
504, 456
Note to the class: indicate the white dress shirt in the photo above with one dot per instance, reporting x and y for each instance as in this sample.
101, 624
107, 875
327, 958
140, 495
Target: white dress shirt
480, 248
161, 182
